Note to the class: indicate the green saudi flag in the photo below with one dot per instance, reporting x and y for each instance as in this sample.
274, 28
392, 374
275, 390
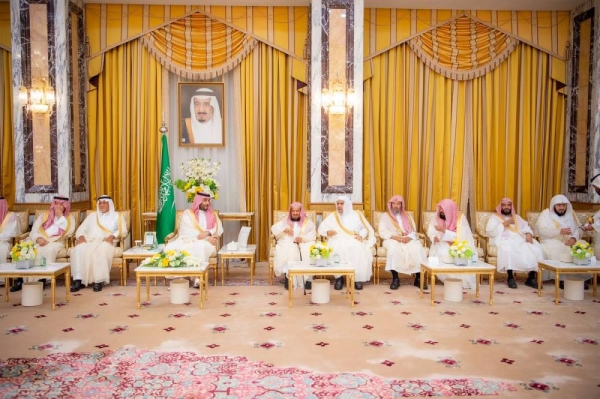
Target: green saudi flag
165, 219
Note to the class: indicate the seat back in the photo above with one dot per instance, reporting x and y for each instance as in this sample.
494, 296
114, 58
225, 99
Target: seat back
178, 216
280, 215
23, 219
532, 218
376, 217
426, 217
481, 220
76, 215
327, 213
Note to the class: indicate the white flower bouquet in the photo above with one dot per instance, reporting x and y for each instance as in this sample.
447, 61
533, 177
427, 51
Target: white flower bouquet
320, 250
23, 251
461, 249
200, 178
581, 250
172, 258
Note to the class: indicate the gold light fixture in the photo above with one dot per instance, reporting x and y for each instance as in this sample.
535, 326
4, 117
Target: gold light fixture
338, 99
39, 98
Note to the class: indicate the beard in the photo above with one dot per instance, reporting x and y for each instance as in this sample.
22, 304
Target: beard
296, 219
442, 216
560, 213
506, 212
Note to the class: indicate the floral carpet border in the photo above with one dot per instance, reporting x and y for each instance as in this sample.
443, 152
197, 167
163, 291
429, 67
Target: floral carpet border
129, 372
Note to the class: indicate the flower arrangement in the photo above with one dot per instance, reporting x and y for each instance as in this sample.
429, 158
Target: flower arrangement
461, 249
581, 250
200, 178
320, 250
23, 251
172, 258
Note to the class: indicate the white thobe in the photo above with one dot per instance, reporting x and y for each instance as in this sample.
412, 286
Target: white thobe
348, 247
187, 237
401, 257
286, 250
553, 243
441, 248
514, 252
56, 241
596, 226
91, 261
8, 229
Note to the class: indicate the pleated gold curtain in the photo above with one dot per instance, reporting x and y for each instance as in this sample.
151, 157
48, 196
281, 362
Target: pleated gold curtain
7, 157
274, 132
123, 130
429, 137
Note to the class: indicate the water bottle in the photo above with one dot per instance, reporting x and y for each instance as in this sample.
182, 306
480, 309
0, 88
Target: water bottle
336, 258
474, 259
43, 261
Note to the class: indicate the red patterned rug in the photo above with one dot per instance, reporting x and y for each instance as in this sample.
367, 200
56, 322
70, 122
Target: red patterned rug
129, 372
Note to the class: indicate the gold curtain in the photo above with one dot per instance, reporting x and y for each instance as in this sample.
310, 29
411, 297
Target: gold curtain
123, 127
7, 154
198, 47
428, 137
274, 134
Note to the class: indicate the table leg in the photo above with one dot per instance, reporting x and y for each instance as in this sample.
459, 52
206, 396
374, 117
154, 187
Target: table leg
6, 289
252, 270
206, 285
351, 288
477, 285
539, 281
53, 291
491, 279
200, 288
137, 284
68, 284
123, 271
432, 286
556, 284
594, 282
421, 280
290, 286
148, 288
222, 271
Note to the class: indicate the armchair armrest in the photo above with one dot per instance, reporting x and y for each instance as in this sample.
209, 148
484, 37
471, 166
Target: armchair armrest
424, 240
170, 237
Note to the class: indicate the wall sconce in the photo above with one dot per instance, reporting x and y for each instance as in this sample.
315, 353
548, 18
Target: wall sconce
338, 99
39, 98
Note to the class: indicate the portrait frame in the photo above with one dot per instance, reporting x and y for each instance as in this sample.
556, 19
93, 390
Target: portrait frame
150, 240
189, 124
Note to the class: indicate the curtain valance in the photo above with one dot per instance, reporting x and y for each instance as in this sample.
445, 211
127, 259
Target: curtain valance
198, 47
463, 49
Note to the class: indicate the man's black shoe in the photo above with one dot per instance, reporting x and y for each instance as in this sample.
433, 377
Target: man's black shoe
358, 286
17, 286
286, 284
417, 283
531, 283
561, 285
97, 287
339, 283
395, 284
512, 283
308, 285
76, 286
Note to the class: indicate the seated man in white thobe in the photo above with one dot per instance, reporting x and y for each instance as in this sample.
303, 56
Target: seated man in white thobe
404, 250
91, 259
517, 250
449, 226
352, 237
593, 227
50, 232
558, 229
295, 234
199, 230
9, 227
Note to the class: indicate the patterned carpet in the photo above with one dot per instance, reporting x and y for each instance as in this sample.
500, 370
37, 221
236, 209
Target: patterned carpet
248, 343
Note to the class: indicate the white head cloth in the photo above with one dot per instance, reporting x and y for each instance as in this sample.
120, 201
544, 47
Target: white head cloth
567, 220
110, 219
349, 217
210, 132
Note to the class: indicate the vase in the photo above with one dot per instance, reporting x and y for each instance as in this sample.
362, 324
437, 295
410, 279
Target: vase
461, 261
23, 264
322, 262
581, 262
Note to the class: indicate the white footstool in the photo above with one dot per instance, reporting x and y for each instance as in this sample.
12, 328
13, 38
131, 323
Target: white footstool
574, 289
180, 291
320, 291
32, 294
453, 290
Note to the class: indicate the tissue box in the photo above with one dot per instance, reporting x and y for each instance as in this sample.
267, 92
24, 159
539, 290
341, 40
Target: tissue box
566, 258
232, 246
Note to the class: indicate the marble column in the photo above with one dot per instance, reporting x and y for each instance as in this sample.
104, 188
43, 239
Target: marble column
336, 137
50, 147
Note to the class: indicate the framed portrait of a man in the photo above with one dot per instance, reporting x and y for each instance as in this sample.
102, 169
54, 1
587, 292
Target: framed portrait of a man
201, 114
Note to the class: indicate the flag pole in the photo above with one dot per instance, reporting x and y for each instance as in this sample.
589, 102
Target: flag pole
165, 215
